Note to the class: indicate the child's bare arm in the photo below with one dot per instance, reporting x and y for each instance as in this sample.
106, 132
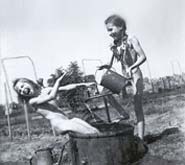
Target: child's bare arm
45, 97
141, 55
75, 85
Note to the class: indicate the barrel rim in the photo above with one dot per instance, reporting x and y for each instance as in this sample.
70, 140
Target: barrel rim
126, 132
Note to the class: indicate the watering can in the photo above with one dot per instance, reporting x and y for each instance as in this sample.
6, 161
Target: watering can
113, 81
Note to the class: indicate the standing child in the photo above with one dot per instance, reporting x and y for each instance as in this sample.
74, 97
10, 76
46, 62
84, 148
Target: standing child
127, 52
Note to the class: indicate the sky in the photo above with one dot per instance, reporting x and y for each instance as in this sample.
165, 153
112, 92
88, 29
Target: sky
55, 32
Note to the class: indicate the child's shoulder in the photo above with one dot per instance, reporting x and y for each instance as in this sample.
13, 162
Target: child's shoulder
132, 38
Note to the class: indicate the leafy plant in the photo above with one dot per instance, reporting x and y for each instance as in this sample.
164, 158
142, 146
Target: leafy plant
73, 98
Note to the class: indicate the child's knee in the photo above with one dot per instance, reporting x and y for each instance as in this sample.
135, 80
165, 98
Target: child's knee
140, 119
139, 114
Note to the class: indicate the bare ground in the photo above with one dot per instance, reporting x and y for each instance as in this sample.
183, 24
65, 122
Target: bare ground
165, 132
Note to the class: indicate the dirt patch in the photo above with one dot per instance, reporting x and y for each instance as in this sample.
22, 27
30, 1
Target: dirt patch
161, 114
23, 150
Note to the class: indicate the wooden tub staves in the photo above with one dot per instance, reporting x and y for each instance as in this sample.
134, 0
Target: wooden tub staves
113, 146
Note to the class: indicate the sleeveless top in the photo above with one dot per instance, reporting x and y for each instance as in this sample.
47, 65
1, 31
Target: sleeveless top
126, 55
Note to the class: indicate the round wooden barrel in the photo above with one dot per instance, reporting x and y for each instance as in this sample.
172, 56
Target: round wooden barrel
113, 146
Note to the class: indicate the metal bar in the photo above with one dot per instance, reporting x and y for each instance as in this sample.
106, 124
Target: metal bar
98, 96
59, 162
19, 57
7, 80
107, 109
27, 119
6, 74
9, 89
105, 103
8, 112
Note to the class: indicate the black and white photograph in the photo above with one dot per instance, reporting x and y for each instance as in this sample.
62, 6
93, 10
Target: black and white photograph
92, 82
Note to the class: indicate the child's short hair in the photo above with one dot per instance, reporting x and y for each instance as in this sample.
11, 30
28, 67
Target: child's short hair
116, 20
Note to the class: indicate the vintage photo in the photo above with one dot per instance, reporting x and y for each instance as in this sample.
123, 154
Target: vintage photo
92, 82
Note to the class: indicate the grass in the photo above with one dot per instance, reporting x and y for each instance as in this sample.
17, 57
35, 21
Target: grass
160, 112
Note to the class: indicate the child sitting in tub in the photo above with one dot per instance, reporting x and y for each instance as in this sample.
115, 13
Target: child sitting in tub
41, 98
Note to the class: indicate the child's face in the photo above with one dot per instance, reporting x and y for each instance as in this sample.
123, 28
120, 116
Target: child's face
114, 31
24, 88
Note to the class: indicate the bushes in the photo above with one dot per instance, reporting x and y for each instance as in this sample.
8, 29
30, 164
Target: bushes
73, 98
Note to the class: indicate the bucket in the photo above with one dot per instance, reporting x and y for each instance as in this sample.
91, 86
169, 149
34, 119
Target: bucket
113, 146
113, 81
42, 157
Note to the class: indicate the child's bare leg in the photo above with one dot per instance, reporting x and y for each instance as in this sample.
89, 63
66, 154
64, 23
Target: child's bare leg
139, 110
141, 129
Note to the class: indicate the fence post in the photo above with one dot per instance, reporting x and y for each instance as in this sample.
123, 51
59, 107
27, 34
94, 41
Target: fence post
27, 119
8, 112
